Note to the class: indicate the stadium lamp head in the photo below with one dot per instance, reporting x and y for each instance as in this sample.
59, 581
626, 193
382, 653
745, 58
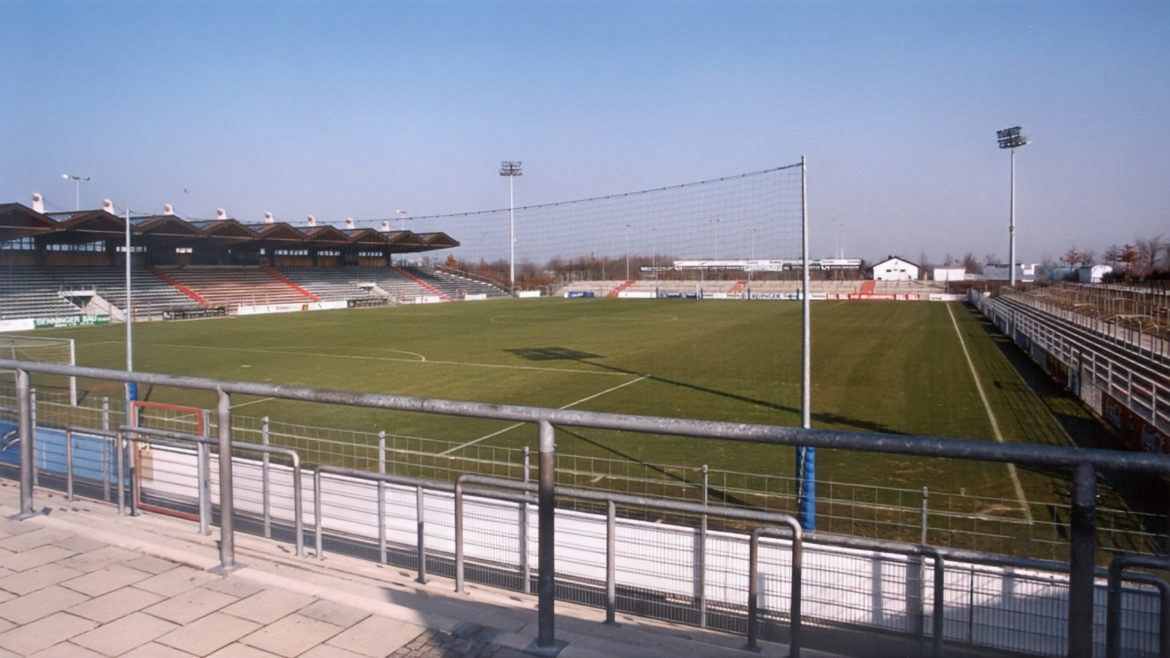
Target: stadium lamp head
511, 168
1010, 138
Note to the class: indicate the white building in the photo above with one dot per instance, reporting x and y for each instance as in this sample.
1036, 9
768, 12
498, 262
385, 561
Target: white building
895, 269
1025, 272
1094, 273
950, 274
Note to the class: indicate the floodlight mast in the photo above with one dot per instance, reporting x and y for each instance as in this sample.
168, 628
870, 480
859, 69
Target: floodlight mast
1010, 138
77, 181
511, 169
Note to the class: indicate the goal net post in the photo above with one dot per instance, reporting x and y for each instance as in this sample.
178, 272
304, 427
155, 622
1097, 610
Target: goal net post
43, 350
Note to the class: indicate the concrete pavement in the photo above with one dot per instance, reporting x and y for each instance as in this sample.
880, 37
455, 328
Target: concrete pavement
79, 580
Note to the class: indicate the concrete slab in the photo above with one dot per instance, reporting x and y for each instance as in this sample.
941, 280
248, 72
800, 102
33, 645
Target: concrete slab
23, 582
291, 636
44, 633
105, 580
176, 581
188, 606
208, 634
41, 603
268, 605
376, 636
124, 634
117, 603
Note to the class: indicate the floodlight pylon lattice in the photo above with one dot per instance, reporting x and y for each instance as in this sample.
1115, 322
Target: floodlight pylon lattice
1011, 139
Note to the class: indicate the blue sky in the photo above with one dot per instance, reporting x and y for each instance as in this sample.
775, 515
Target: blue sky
355, 109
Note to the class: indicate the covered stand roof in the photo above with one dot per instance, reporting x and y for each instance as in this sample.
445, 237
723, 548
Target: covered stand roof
19, 221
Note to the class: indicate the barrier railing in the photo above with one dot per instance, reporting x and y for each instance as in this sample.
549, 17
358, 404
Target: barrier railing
1083, 463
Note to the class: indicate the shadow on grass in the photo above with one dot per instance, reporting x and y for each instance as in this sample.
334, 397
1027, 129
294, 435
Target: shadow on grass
568, 354
714, 493
1140, 493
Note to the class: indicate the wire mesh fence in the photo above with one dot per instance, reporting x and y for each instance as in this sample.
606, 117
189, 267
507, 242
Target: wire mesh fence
940, 518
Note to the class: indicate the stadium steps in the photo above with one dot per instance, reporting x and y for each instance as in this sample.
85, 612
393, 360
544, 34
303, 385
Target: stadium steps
420, 281
232, 287
621, 287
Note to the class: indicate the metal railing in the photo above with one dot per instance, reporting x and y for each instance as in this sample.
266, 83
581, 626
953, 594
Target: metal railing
947, 518
1084, 463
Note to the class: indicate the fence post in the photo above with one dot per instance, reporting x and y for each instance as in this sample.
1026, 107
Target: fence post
227, 548
120, 467
546, 583
264, 481
106, 450
203, 455
610, 566
32, 408
701, 581
420, 513
69, 466
382, 503
25, 428
525, 567
1082, 546
925, 499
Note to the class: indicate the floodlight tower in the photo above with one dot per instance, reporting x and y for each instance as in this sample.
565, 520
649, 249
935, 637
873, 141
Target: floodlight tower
402, 218
77, 181
1010, 138
511, 169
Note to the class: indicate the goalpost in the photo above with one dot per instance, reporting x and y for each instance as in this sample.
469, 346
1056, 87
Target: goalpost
44, 350
737, 237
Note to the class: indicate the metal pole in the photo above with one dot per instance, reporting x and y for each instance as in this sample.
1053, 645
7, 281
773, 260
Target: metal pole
382, 501
806, 458
1012, 226
69, 466
925, 505
106, 450
226, 523
546, 576
701, 580
265, 490
610, 563
420, 515
1082, 546
525, 567
25, 427
511, 235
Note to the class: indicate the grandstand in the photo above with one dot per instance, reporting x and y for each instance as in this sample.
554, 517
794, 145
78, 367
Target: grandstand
67, 268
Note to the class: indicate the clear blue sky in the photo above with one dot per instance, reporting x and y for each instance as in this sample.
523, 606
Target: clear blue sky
355, 109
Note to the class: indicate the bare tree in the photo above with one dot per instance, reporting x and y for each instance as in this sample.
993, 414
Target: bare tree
1071, 257
1088, 258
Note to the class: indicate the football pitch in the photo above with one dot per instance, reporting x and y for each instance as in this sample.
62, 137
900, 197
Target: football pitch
908, 368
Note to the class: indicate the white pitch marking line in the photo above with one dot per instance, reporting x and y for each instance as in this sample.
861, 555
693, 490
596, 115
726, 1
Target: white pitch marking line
991, 416
514, 426
420, 359
244, 404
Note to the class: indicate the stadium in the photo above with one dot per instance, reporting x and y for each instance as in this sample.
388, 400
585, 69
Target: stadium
987, 457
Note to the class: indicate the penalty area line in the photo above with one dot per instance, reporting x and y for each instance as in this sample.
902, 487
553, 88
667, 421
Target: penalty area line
991, 417
515, 425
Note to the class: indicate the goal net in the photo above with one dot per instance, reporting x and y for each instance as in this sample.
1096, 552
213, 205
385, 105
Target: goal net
44, 350
747, 226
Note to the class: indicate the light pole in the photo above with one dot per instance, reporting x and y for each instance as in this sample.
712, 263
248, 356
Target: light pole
511, 169
1010, 138
627, 252
77, 181
401, 218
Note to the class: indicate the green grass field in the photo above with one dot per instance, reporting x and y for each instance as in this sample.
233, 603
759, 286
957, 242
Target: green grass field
877, 366
889, 367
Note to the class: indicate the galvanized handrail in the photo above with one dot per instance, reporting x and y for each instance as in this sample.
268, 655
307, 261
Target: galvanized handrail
1117, 574
227, 507
654, 503
419, 485
1084, 463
